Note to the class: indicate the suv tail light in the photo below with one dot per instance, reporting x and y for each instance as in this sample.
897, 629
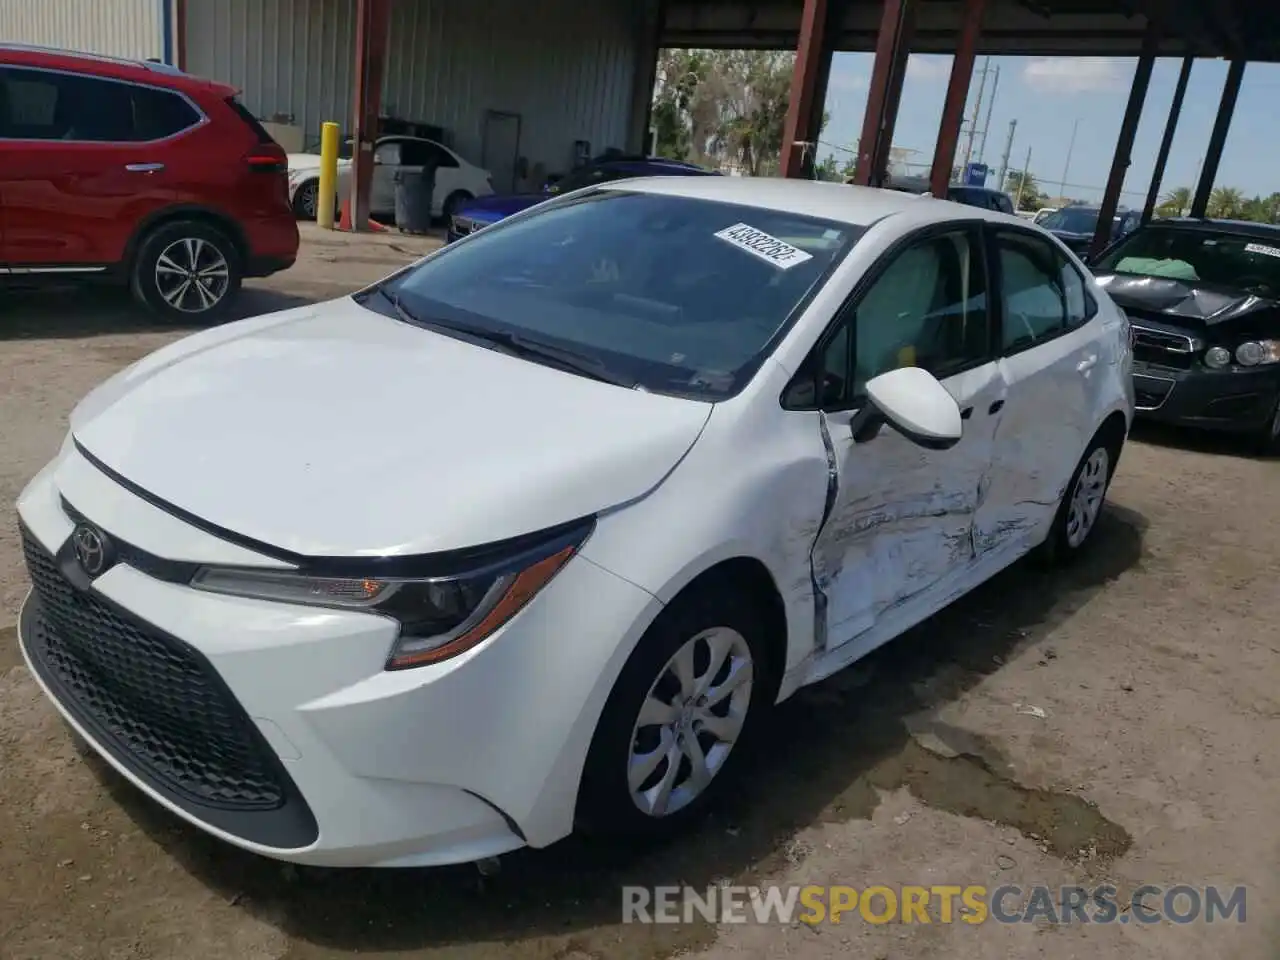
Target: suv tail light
264, 159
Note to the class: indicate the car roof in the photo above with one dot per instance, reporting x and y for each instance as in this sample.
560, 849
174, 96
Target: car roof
857, 206
115, 68
1264, 231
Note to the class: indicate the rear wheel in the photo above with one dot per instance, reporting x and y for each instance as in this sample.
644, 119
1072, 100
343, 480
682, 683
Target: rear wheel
304, 200
687, 704
1082, 503
186, 272
453, 201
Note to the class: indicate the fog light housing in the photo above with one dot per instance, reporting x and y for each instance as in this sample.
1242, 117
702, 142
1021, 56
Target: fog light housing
1217, 357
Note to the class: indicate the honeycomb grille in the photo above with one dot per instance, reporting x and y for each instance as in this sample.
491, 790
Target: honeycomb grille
152, 702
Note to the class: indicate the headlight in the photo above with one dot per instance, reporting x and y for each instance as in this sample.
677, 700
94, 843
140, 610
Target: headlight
439, 616
1217, 357
1255, 352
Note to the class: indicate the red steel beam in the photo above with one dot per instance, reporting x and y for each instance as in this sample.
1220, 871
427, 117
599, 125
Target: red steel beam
893, 45
373, 25
804, 88
944, 155
1124, 143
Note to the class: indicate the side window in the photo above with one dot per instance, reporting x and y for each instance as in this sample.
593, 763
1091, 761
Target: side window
1003, 203
442, 156
928, 308
1081, 306
1035, 301
158, 114
387, 152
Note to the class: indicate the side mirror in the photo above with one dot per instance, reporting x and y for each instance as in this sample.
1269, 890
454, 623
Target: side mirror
912, 401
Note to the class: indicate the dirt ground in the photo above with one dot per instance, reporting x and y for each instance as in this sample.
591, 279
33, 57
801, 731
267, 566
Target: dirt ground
1153, 757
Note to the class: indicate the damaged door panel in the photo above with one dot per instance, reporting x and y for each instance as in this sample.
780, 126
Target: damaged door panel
901, 516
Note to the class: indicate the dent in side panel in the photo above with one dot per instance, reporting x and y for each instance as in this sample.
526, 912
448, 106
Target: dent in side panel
819, 558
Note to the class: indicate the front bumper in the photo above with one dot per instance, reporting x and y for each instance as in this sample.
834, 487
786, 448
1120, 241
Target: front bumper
276, 728
1235, 401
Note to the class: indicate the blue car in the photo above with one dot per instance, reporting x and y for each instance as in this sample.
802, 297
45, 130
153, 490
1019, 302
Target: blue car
485, 211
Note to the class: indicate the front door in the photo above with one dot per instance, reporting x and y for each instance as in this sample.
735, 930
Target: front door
902, 516
1048, 352
81, 164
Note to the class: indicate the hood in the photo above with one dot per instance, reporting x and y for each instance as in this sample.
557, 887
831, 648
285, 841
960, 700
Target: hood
1205, 304
496, 206
335, 431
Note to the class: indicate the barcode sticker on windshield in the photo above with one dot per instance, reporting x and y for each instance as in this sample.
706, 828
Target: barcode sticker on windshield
1263, 249
781, 254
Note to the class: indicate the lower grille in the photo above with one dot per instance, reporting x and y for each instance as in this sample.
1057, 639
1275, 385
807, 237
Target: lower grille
151, 700
1171, 350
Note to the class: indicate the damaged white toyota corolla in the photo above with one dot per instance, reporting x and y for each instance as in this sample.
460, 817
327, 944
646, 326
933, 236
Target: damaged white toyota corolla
534, 533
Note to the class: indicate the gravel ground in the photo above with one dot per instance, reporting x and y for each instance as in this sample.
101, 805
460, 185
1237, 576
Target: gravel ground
1155, 664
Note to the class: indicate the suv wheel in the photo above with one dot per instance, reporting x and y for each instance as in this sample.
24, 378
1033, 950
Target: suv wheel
186, 271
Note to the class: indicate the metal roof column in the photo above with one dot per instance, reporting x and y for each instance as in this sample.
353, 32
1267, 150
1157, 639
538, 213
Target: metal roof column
652, 18
893, 45
1124, 143
1218, 139
373, 25
805, 100
944, 155
1166, 143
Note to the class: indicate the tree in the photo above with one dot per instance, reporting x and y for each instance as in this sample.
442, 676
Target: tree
1226, 202
1026, 191
828, 169
1174, 202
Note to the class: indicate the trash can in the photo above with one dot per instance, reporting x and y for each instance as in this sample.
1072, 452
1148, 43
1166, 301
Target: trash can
414, 192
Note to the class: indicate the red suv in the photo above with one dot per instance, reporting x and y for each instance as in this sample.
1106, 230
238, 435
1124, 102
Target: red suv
138, 173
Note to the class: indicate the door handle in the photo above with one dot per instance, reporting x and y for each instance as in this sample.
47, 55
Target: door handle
143, 167
1085, 365
966, 413
995, 407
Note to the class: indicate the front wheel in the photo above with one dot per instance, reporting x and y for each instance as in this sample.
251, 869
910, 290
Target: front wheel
304, 200
676, 724
186, 272
1267, 440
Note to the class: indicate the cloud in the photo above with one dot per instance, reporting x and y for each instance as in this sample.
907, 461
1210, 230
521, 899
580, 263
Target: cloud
929, 67
1075, 74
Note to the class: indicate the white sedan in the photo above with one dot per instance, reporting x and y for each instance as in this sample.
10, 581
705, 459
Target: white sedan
457, 181
534, 533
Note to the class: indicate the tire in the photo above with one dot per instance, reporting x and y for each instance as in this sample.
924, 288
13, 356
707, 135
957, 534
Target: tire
1267, 441
304, 200
157, 278
714, 614
452, 202
1082, 503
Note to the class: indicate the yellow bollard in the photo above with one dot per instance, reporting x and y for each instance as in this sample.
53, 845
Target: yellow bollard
326, 190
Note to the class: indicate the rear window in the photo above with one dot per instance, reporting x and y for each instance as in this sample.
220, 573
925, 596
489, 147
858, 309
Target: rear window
1233, 261
1072, 220
253, 123
675, 294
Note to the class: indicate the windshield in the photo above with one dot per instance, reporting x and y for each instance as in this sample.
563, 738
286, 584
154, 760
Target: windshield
672, 294
1234, 261
1072, 220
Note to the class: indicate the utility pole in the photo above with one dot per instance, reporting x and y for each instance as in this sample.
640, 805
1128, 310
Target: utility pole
995, 86
1004, 161
1022, 181
977, 113
1066, 167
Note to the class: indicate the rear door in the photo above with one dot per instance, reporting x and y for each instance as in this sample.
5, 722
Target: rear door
1049, 333
82, 162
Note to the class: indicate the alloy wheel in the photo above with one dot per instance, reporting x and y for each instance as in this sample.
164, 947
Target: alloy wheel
689, 721
308, 195
192, 275
1087, 496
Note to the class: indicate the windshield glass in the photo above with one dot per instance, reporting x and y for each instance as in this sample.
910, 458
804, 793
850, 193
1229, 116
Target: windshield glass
672, 294
1072, 220
1234, 261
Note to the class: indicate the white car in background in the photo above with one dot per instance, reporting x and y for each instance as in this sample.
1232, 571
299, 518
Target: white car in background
457, 181
534, 533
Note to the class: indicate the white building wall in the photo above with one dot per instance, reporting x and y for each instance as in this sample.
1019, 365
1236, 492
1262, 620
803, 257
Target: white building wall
117, 28
565, 66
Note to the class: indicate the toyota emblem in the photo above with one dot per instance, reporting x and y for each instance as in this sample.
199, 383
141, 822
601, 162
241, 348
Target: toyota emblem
92, 549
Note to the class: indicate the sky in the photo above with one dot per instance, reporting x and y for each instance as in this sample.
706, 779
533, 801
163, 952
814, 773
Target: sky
1046, 96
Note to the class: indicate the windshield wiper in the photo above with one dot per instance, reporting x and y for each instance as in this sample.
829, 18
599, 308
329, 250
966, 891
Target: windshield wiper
513, 343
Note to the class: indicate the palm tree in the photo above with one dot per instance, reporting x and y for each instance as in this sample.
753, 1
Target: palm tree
1226, 202
1174, 202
